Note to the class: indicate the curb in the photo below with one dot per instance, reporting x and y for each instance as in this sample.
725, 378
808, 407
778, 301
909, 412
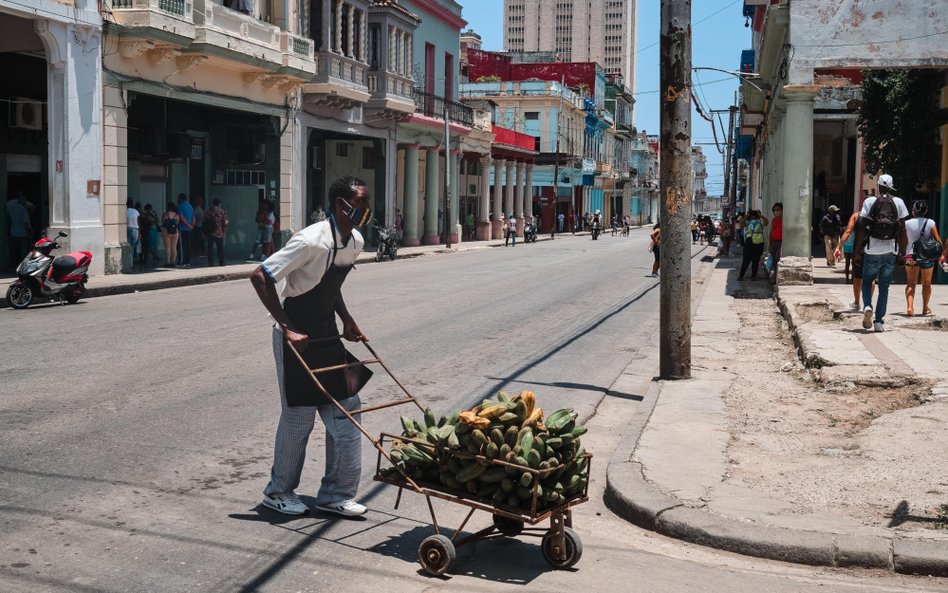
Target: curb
97, 291
631, 496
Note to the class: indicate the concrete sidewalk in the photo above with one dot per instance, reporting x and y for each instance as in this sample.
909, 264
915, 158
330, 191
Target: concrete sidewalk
154, 278
678, 475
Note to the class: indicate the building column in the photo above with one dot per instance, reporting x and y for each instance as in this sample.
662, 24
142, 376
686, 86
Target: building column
392, 57
410, 197
496, 223
363, 33
409, 39
401, 69
337, 45
528, 194
453, 224
797, 194
432, 196
509, 183
483, 210
75, 175
118, 253
350, 30
518, 198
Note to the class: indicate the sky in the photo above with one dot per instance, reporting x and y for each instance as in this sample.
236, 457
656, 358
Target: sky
718, 36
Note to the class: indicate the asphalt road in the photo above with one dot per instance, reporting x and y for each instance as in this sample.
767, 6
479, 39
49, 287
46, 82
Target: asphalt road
136, 433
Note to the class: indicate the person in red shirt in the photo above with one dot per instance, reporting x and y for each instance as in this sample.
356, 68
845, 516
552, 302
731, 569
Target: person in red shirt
776, 236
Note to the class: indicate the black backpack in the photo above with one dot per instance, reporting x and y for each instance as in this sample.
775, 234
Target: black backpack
883, 220
210, 225
926, 249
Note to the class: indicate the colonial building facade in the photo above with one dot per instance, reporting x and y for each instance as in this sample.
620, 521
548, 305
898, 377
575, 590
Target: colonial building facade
51, 129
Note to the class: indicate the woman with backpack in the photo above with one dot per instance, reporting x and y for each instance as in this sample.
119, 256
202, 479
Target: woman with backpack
753, 244
924, 249
169, 233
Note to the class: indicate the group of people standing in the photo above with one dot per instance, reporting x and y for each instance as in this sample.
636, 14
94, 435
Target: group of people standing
183, 228
752, 234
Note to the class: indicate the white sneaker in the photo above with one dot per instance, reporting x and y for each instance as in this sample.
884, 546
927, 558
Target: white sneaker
854, 306
867, 317
346, 508
878, 326
287, 503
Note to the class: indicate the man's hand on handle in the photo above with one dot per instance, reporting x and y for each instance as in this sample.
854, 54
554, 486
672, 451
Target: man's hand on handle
296, 340
351, 331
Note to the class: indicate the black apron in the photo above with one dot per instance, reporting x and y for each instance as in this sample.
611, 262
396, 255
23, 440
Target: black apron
314, 314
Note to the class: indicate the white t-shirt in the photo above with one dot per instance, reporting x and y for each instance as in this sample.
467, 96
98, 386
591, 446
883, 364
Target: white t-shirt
300, 265
132, 216
913, 229
882, 246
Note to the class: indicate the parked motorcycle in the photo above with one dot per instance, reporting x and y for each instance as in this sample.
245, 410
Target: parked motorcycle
40, 274
529, 232
388, 243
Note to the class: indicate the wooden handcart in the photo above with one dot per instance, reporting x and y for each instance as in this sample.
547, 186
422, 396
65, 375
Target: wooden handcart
560, 544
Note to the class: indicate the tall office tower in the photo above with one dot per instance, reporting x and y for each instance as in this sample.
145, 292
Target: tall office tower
578, 30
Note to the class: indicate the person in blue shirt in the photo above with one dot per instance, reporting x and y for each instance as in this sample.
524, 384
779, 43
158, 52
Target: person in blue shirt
185, 226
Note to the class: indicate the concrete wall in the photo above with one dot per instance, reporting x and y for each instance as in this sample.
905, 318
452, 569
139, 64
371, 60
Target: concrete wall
866, 33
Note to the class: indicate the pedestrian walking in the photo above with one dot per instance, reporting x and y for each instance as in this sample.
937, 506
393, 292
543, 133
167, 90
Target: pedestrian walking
261, 219
776, 237
846, 249
881, 243
923, 249
511, 230
169, 233
308, 273
561, 220
132, 230
727, 233
753, 244
739, 225
615, 224
215, 225
269, 221
694, 231
655, 246
831, 227
185, 227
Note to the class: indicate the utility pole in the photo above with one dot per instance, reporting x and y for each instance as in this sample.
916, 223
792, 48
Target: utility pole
675, 184
447, 176
730, 155
733, 196
556, 183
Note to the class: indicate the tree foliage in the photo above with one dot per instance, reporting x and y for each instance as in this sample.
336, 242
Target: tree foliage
898, 121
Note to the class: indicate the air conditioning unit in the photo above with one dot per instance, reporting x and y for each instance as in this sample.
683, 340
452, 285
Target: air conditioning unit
26, 114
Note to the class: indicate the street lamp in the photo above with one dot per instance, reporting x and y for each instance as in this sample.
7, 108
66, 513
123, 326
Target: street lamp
745, 76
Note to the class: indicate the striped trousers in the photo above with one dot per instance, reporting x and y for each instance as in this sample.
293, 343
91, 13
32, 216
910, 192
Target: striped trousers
343, 443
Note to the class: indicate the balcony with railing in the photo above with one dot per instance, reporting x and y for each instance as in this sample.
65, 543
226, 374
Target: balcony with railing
235, 36
435, 106
298, 55
390, 92
162, 20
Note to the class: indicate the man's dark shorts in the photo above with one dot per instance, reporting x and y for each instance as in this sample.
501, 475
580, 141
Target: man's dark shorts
857, 269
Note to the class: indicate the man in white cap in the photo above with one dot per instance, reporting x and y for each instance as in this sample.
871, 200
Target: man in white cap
831, 227
880, 242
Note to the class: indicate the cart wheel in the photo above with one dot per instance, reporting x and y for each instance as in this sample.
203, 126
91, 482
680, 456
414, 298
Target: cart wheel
507, 526
436, 554
573, 552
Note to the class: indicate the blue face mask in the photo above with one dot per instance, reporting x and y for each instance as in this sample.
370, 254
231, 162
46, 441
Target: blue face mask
358, 216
